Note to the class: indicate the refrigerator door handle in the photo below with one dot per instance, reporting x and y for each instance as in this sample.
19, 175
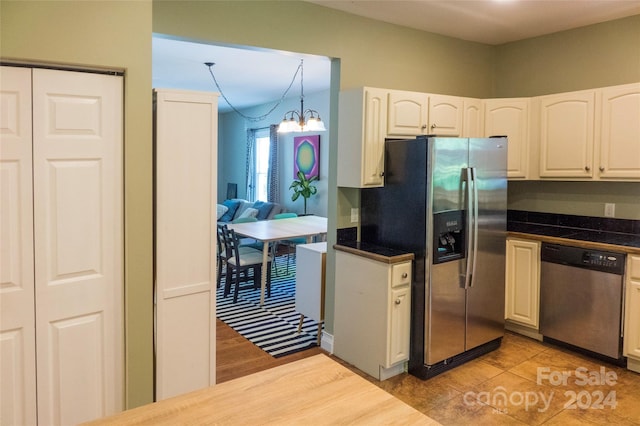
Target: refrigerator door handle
475, 225
469, 179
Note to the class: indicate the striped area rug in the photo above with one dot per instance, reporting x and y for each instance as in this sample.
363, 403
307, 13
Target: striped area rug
272, 327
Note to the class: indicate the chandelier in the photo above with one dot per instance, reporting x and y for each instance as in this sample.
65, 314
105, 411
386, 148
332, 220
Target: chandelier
297, 121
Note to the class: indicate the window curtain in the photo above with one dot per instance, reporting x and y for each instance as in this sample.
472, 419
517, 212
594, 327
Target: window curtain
273, 185
250, 164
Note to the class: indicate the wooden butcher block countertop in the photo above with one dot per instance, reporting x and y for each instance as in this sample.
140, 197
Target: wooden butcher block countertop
311, 391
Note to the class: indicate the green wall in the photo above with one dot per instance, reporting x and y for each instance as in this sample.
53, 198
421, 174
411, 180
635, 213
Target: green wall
116, 35
605, 54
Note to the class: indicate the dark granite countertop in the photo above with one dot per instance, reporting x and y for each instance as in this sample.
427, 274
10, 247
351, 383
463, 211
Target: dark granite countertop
375, 252
614, 238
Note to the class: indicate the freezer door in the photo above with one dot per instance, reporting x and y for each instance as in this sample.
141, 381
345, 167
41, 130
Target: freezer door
445, 294
485, 296
446, 319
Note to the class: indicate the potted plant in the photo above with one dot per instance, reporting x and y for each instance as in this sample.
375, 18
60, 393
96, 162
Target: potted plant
303, 187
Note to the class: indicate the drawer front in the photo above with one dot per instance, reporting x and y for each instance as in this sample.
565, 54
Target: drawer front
401, 274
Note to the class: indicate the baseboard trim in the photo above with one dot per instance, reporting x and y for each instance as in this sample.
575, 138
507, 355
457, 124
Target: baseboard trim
326, 342
522, 329
633, 365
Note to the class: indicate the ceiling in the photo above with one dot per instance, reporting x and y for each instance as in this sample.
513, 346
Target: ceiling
489, 21
249, 76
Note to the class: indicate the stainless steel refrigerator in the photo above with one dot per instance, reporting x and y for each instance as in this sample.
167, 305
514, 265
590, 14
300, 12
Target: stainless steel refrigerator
444, 199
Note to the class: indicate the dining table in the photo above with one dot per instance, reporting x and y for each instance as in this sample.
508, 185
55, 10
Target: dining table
269, 231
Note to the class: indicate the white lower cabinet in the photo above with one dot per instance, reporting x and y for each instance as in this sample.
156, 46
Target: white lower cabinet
522, 290
372, 314
632, 314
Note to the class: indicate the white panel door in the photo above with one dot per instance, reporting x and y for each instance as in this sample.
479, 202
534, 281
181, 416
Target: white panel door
17, 324
186, 182
77, 150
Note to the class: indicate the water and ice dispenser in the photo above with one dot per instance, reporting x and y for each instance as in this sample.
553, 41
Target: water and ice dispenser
448, 236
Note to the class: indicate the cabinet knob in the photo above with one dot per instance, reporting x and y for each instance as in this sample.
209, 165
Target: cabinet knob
587, 168
405, 275
601, 168
398, 301
381, 174
424, 126
433, 126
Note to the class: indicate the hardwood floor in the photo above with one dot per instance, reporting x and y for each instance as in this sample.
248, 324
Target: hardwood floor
237, 357
513, 367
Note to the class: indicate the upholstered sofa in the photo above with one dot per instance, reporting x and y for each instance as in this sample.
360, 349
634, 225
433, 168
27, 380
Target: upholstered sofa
235, 208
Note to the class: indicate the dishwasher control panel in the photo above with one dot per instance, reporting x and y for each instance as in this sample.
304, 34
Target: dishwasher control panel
598, 260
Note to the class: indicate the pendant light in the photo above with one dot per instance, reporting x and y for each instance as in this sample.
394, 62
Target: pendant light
297, 121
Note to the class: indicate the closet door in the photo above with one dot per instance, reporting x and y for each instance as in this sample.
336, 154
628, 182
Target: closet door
17, 327
77, 162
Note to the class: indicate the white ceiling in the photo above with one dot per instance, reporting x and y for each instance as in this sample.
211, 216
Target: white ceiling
489, 21
251, 77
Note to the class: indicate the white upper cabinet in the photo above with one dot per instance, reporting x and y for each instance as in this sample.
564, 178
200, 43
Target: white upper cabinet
472, 118
414, 114
591, 134
510, 117
361, 135
445, 115
408, 113
567, 134
620, 132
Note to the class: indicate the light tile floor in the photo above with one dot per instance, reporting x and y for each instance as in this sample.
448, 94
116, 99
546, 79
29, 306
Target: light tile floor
521, 383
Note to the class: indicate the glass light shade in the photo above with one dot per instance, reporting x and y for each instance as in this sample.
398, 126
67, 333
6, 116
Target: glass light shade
314, 124
288, 126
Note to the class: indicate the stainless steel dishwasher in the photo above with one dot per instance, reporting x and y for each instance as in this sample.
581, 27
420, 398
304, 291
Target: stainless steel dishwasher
581, 299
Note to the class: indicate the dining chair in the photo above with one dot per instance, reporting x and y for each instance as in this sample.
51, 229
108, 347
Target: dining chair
222, 254
291, 243
240, 262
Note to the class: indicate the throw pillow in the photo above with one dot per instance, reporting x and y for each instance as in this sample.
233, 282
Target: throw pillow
264, 208
221, 210
232, 205
249, 212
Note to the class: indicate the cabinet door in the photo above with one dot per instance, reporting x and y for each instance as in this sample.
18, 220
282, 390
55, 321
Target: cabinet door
399, 324
407, 113
472, 122
445, 115
17, 298
632, 309
566, 134
185, 173
620, 132
523, 282
373, 143
510, 117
